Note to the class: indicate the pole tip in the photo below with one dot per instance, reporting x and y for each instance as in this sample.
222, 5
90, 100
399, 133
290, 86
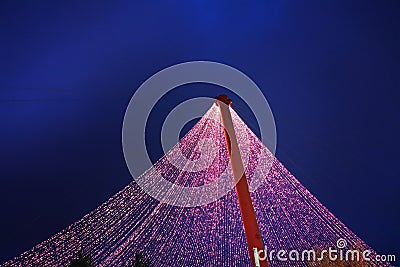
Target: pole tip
224, 99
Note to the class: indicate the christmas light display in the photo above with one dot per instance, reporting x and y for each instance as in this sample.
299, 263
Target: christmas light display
131, 221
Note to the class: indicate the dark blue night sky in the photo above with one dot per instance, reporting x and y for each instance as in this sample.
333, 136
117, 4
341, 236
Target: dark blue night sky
329, 69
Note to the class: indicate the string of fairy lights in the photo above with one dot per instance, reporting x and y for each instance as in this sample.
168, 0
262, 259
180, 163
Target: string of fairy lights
131, 221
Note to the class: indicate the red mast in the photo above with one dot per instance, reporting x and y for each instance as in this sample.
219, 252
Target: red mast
249, 219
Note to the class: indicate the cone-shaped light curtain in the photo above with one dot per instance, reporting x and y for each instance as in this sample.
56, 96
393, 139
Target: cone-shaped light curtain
289, 216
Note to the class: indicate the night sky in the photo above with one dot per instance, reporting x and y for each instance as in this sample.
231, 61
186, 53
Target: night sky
329, 69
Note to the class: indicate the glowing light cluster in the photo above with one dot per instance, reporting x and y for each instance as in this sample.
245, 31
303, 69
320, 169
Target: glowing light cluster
289, 216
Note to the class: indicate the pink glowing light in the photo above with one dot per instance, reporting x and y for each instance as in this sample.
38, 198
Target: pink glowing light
289, 216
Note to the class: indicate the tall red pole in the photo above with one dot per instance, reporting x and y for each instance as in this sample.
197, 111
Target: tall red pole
249, 219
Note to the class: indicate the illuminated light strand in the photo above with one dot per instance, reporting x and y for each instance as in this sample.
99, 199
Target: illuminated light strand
289, 216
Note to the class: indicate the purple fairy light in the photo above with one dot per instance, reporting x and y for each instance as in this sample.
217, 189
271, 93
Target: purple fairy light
289, 216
